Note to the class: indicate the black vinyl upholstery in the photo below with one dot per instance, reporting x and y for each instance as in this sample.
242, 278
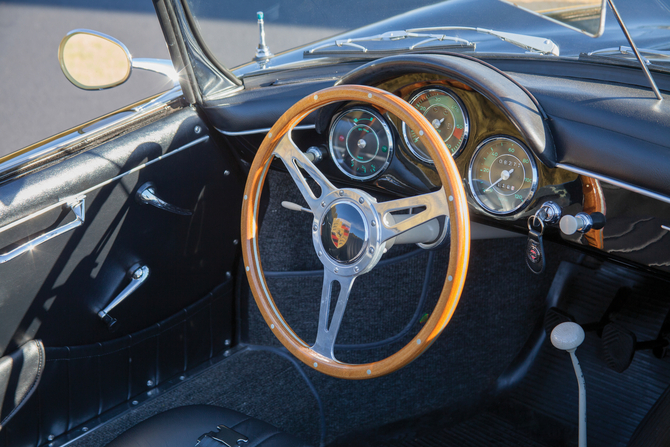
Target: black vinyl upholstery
182, 426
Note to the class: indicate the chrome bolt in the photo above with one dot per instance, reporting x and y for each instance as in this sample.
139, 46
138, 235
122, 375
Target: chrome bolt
182, 377
361, 200
228, 275
323, 204
84, 429
235, 242
226, 353
51, 437
320, 253
341, 192
373, 223
356, 269
315, 228
150, 383
134, 402
336, 270
226, 172
227, 342
372, 250
197, 129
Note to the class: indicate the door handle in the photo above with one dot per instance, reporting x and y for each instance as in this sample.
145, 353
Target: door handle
146, 195
76, 205
137, 277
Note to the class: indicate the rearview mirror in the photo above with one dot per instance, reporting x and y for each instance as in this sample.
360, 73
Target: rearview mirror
585, 16
94, 61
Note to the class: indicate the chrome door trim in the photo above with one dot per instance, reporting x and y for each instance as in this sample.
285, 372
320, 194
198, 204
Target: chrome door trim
263, 130
615, 182
76, 204
78, 136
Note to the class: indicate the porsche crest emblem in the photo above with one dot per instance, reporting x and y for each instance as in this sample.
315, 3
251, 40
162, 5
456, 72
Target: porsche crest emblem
339, 232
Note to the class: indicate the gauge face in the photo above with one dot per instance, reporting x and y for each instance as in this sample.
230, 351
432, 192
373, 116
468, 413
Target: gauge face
448, 116
503, 175
360, 143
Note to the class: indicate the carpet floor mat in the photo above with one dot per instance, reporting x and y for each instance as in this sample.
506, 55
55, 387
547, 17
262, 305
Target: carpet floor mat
616, 402
542, 409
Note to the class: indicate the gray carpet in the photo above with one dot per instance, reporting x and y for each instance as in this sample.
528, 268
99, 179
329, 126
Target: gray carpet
501, 304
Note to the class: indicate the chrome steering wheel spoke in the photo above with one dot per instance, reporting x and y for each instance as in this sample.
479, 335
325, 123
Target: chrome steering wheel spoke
329, 326
294, 159
435, 205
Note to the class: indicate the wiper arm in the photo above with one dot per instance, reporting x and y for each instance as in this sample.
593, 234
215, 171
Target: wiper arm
649, 56
392, 36
530, 43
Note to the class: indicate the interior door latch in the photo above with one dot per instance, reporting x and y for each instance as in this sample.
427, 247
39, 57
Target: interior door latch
138, 274
146, 195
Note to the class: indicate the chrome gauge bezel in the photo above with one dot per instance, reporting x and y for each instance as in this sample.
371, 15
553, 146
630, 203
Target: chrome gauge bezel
389, 136
534, 170
466, 123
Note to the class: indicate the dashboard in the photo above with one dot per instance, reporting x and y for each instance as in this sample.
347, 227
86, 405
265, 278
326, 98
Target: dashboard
514, 155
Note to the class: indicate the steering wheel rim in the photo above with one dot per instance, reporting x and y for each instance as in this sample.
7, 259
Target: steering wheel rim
451, 197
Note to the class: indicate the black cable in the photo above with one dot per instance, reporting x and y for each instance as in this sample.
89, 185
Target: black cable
412, 322
282, 352
300, 273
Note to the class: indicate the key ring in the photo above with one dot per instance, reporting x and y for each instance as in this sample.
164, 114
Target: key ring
532, 220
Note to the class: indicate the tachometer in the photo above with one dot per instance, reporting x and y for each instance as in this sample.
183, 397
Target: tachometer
502, 175
446, 113
360, 143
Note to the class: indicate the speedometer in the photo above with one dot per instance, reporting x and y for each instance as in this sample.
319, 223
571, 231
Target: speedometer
448, 116
360, 143
502, 175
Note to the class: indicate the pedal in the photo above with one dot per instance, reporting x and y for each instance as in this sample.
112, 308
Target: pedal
620, 344
555, 316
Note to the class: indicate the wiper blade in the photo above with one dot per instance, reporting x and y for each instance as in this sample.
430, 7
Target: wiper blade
529, 43
393, 36
648, 56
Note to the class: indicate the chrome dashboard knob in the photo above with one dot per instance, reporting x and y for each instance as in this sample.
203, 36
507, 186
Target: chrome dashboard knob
581, 222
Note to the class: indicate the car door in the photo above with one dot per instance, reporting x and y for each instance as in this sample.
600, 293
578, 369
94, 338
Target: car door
118, 244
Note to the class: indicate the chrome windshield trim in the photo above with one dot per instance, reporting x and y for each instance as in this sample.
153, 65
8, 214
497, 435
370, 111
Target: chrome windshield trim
263, 130
615, 182
97, 128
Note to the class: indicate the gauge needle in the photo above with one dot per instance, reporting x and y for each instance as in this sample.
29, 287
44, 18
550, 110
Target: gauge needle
437, 123
503, 176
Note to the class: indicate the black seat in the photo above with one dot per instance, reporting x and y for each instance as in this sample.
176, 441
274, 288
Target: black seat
182, 426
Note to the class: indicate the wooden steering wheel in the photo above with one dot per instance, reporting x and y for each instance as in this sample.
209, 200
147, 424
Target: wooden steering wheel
375, 227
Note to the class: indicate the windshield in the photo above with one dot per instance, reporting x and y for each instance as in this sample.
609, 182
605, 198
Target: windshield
351, 28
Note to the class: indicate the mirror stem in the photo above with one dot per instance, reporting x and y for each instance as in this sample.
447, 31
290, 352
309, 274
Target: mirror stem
637, 53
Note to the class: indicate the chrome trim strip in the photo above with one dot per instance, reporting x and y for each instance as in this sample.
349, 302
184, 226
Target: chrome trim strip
619, 183
77, 205
144, 165
76, 137
264, 130
68, 200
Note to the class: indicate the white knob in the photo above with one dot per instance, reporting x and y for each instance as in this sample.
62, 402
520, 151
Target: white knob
569, 224
567, 336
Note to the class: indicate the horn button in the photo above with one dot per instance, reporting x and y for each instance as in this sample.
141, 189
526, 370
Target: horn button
344, 232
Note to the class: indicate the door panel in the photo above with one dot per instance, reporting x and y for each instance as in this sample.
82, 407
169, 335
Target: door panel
181, 316
55, 291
